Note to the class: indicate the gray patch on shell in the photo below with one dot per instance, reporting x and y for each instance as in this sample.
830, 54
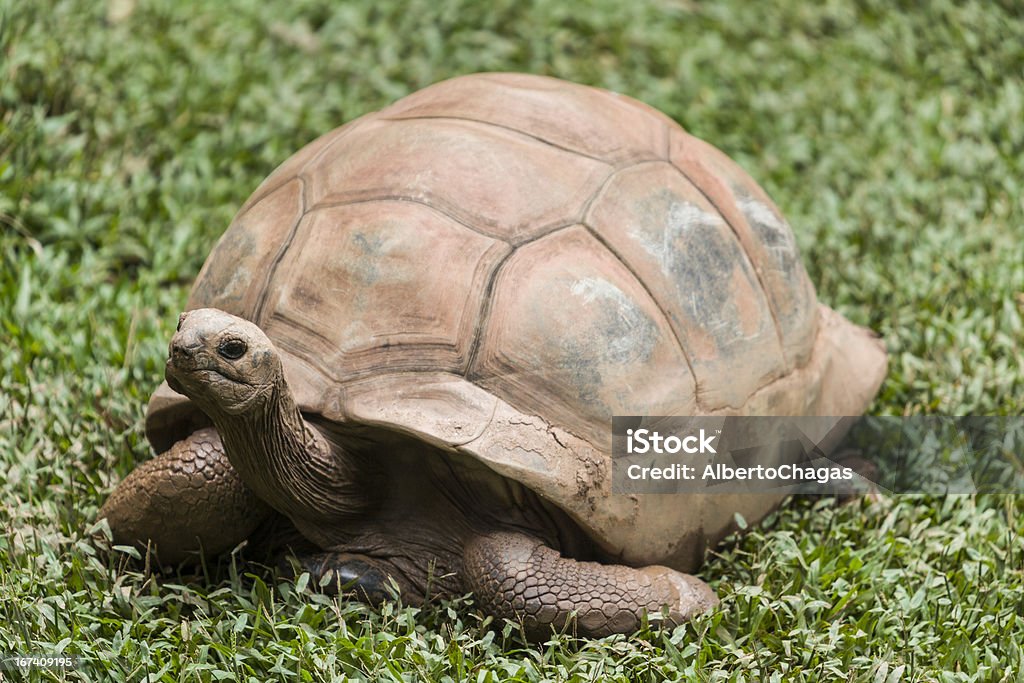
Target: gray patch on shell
623, 335
783, 255
701, 262
683, 218
372, 248
626, 334
773, 230
366, 273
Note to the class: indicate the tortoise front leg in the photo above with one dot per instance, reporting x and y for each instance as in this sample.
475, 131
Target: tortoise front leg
186, 499
516, 576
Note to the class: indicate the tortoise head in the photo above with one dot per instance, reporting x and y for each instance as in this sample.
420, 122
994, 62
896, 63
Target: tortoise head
224, 363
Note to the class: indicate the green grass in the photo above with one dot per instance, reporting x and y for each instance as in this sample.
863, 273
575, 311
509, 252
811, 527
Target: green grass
130, 132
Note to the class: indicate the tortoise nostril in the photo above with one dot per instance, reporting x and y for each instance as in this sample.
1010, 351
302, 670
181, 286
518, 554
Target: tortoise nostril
181, 352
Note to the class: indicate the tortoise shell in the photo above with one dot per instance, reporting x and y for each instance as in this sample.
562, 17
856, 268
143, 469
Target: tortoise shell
499, 263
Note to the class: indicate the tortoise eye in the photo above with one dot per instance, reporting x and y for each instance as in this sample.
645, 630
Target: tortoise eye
232, 349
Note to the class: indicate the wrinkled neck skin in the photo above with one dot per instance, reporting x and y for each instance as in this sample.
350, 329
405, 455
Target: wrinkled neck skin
287, 462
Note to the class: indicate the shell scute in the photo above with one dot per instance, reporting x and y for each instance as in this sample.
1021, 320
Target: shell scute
234, 277
559, 113
666, 231
357, 292
766, 238
573, 336
500, 183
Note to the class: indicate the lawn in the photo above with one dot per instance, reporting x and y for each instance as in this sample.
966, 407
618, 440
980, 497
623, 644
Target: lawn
131, 131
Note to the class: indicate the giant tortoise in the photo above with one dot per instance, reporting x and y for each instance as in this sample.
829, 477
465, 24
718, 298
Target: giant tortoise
410, 342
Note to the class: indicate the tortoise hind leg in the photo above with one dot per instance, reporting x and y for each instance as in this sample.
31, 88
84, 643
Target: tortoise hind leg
188, 498
516, 576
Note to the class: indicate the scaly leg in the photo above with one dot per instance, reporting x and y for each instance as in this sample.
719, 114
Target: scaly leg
516, 576
186, 499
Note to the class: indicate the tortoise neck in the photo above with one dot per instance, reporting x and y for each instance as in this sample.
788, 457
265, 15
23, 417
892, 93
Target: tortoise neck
288, 463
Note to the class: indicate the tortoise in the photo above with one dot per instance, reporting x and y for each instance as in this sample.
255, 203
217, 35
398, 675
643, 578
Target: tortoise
408, 345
